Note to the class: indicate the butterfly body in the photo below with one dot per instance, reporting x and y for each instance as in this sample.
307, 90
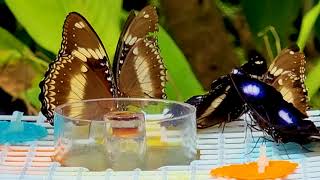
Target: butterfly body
222, 103
82, 69
256, 66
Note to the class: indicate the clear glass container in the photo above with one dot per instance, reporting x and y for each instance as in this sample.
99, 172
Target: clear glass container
124, 134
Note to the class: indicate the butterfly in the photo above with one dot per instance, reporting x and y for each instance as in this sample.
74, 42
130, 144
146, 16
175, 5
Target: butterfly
222, 103
219, 105
274, 115
82, 69
286, 74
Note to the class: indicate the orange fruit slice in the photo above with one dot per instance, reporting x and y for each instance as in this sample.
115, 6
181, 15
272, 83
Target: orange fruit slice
249, 171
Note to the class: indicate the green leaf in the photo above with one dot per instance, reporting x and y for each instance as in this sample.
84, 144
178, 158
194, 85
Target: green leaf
43, 20
31, 94
182, 82
279, 14
20, 70
9, 44
313, 80
315, 103
308, 22
317, 30
105, 17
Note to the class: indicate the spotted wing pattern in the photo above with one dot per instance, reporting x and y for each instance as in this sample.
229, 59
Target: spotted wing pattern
222, 103
81, 70
287, 75
143, 72
136, 28
276, 117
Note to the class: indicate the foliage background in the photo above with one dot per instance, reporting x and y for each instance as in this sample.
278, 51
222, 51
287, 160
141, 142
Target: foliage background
199, 40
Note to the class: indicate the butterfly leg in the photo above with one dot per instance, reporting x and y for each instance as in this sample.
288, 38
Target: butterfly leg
225, 122
246, 122
285, 149
250, 127
305, 148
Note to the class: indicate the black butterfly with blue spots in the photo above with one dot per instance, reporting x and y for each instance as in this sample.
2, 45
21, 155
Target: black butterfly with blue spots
285, 74
222, 103
275, 116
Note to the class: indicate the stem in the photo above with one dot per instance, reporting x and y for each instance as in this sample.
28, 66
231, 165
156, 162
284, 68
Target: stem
276, 38
267, 42
38, 61
268, 47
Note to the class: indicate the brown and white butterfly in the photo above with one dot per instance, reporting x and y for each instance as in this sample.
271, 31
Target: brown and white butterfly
82, 69
287, 75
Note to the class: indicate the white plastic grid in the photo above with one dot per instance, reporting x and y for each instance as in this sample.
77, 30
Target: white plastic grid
234, 145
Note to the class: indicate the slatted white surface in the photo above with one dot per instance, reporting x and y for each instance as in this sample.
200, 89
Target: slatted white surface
32, 161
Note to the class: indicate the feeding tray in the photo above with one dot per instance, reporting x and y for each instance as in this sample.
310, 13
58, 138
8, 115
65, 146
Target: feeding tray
217, 147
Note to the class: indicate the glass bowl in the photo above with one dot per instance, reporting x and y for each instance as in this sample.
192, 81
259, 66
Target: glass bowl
124, 134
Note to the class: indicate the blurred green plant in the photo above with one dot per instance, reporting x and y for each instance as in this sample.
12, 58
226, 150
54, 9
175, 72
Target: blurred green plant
281, 16
20, 70
280, 19
264, 35
182, 82
278, 14
43, 20
312, 80
308, 22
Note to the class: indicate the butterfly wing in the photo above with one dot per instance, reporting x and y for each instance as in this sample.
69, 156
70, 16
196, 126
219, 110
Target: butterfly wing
287, 75
81, 70
280, 119
220, 104
293, 91
143, 72
136, 28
